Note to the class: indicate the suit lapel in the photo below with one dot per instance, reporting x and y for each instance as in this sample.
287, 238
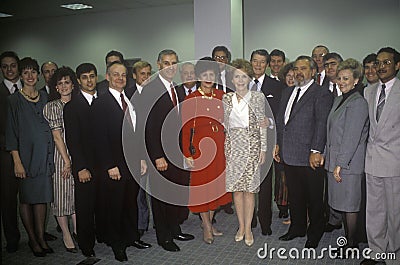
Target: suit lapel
391, 100
306, 96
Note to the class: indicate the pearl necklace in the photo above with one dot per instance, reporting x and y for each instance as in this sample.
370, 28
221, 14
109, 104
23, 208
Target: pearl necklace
29, 97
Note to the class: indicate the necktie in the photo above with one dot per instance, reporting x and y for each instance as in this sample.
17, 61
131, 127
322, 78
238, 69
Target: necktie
319, 78
295, 101
381, 102
124, 104
255, 85
15, 88
334, 91
173, 95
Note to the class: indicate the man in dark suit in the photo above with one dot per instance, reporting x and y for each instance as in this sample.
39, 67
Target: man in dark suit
318, 54
222, 55
141, 72
48, 69
119, 180
160, 107
301, 132
9, 183
272, 90
102, 86
79, 135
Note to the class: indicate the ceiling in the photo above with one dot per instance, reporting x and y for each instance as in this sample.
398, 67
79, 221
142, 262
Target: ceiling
23, 9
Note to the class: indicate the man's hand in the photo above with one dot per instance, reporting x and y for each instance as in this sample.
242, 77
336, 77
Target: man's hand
316, 160
275, 153
84, 176
161, 164
143, 167
114, 173
189, 162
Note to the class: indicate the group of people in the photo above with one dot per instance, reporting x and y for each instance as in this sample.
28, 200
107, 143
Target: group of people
91, 150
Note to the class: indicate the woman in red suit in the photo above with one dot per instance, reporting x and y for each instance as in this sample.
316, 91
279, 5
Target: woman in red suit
203, 147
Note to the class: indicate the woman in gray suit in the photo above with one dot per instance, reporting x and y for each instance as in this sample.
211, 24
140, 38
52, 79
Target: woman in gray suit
245, 145
347, 131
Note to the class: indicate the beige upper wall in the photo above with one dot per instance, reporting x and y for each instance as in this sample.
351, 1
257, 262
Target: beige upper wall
351, 28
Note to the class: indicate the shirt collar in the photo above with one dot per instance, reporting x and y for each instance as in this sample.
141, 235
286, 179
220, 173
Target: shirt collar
166, 83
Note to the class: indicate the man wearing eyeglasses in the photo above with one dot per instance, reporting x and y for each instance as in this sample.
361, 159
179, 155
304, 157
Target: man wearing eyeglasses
382, 165
222, 55
318, 54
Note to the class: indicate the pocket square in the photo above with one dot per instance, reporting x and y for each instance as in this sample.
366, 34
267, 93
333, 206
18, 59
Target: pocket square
270, 96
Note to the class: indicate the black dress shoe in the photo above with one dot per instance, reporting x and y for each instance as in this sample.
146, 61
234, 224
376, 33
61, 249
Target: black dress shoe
37, 253
288, 236
140, 244
184, 237
49, 237
170, 246
48, 250
88, 253
120, 254
267, 232
329, 228
311, 244
11, 248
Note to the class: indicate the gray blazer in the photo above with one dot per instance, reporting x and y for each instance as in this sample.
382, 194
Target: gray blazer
306, 128
347, 132
383, 147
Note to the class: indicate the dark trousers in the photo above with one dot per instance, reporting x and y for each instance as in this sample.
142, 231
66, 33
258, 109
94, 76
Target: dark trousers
361, 218
9, 202
85, 202
122, 211
265, 199
306, 195
165, 218
143, 210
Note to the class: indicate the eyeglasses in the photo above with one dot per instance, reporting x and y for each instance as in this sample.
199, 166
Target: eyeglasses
327, 65
217, 57
384, 62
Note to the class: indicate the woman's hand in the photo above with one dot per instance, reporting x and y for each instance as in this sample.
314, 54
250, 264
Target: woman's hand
261, 160
19, 170
189, 162
336, 174
66, 172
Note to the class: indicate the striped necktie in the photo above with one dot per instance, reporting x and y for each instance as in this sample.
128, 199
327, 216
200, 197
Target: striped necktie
381, 102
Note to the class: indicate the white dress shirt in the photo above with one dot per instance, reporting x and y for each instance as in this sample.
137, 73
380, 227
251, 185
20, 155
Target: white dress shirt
388, 87
10, 85
260, 82
132, 111
303, 90
89, 97
239, 117
167, 85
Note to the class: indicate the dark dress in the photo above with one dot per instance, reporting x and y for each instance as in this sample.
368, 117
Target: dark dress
29, 133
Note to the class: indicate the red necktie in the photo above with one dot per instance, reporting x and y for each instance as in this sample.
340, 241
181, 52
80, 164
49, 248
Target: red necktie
318, 78
173, 95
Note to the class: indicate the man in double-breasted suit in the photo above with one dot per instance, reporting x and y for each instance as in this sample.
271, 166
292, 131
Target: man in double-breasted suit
272, 90
118, 180
382, 165
160, 109
9, 183
301, 131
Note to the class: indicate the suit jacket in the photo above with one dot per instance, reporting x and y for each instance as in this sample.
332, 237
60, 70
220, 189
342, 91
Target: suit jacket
108, 119
79, 134
162, 127
4, 93
383, 148
306, 127
272, 90
180, 91
347, 131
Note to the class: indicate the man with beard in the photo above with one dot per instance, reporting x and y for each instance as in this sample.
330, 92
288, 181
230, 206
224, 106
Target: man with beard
301, 133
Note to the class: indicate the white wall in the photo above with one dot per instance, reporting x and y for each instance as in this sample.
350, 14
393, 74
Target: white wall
351, 28
87, 38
